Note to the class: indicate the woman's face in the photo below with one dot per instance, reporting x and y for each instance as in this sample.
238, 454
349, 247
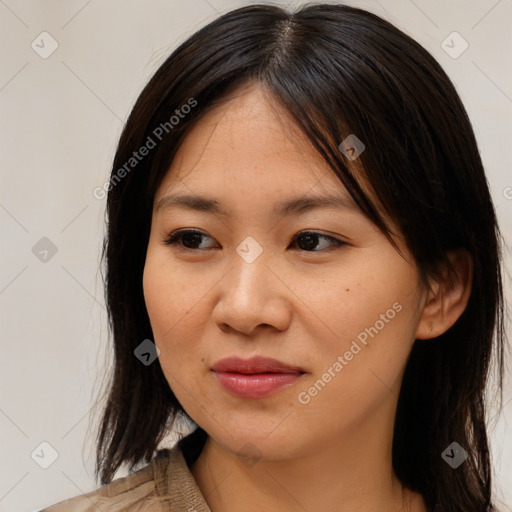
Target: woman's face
251, 283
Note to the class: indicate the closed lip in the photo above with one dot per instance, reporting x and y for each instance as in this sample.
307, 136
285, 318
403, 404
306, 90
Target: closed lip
257, 364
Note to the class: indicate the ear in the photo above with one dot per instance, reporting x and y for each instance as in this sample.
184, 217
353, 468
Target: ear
448, 297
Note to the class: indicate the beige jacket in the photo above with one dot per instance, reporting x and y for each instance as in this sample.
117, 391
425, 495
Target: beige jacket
164, 485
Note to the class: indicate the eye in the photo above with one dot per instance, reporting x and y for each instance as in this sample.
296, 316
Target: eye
188, 240
189, 237
308, 240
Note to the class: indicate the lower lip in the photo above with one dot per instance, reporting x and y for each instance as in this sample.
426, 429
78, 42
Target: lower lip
257, 385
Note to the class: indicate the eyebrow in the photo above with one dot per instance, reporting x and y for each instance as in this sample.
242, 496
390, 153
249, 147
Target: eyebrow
295, 205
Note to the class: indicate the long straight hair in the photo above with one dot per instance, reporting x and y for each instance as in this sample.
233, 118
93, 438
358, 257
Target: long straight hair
338, 70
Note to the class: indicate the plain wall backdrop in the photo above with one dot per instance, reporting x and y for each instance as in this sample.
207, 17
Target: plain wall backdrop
70, 73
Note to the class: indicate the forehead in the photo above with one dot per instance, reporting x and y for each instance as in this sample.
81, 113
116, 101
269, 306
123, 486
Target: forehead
248, 152
250, 140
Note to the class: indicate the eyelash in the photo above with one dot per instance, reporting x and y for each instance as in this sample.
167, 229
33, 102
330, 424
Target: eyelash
176, 236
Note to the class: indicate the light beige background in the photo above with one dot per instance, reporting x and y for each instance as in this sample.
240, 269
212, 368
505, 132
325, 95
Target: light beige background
60, 120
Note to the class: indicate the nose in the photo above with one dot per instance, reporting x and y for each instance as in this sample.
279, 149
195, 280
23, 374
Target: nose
253, 297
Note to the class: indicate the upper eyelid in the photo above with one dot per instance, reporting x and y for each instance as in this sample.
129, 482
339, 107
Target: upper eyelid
200, 232
176, 234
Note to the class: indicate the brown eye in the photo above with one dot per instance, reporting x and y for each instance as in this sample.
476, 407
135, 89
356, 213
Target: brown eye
190, 240
308, 240
186, 239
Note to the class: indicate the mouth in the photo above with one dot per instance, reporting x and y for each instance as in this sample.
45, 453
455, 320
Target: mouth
256, 385
257, 377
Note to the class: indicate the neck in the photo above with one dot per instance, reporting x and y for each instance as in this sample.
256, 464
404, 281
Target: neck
343, 476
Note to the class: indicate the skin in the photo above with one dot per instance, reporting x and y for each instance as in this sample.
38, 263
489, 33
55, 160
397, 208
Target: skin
301, 305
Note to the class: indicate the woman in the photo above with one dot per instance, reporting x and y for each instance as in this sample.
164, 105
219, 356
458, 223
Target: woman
344, 374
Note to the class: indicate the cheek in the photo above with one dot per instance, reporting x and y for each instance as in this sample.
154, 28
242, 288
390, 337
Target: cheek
347, 300
175, 310
369, 318
177, 302
166, 292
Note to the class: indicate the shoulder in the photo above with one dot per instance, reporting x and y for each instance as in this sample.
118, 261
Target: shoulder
133, 492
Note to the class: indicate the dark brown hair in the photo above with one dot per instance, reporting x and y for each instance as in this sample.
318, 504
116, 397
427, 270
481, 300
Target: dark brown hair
337, 70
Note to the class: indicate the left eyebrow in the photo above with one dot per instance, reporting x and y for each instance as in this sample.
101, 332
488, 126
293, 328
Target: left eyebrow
295, 205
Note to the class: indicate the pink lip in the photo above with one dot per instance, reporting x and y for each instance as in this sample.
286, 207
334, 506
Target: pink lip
257, 385
257, 377
257, 364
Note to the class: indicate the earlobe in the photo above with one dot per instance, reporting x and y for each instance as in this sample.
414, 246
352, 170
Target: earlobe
448, 297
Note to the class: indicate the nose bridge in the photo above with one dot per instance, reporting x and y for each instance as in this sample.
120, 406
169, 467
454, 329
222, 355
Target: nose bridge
249, 275
251, 294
